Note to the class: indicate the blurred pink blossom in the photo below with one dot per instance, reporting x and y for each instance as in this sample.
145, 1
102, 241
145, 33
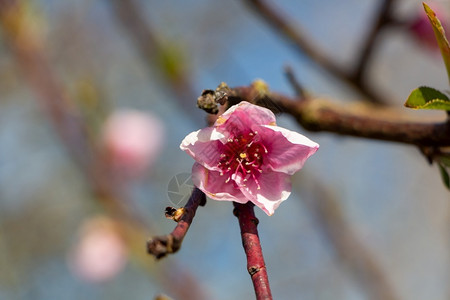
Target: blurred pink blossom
132, 140
100, 253
421, 28
246, 157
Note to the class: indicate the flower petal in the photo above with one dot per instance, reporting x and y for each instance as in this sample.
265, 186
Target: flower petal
204, 146
214, 185
274, 188
242, 116
287, 150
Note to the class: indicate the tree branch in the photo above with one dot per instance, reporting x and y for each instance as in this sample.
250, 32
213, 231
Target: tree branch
160, 246
153, 51
356, 119
256, 266
27, 48
384, 18
298, 88
294, 35
29, 52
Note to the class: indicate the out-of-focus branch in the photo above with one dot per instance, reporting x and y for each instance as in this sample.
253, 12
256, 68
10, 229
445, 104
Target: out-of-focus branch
27, 47
131, 17
298, 88
256, 266
160, 246
350, 249
357, 119
299, 40
384, 18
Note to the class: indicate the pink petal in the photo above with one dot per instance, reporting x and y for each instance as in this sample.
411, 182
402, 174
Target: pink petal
204, 146
287, 150
243, 116
275, 187
214, 185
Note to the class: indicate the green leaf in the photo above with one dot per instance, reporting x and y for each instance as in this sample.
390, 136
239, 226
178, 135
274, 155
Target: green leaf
440, 37
428, 98
445, 160
445, 176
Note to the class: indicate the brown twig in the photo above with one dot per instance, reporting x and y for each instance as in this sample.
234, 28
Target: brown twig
256, 266
160, 246
384, 18
298, 88
358, 119
299, 40
130, 15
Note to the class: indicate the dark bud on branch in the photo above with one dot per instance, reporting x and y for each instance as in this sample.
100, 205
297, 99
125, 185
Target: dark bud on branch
174, 213
210, 99
222, 92
207, 102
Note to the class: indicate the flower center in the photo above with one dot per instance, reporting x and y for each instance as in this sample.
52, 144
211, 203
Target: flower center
242, 158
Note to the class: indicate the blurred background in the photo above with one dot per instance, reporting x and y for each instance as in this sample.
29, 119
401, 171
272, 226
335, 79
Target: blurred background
95, 98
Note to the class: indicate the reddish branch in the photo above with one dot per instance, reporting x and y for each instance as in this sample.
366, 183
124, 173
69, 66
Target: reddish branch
160, 246
256, 266
357, 119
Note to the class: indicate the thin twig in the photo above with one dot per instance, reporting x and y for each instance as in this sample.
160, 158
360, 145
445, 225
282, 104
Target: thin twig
256, 266
161, 246
298, 88
358, 119
384, 18
146, 40
294, 35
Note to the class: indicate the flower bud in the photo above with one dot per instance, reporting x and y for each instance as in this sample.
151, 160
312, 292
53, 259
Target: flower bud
100, 253
132, 140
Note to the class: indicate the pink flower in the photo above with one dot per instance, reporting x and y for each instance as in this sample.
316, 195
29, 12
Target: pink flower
132, 140
246, 157
100, 253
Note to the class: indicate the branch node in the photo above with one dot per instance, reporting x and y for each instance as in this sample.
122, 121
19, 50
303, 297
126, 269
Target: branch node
207, 102
252, 247
175, 213
236, 212
209, 99
252, 270
160, 246
255, 221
